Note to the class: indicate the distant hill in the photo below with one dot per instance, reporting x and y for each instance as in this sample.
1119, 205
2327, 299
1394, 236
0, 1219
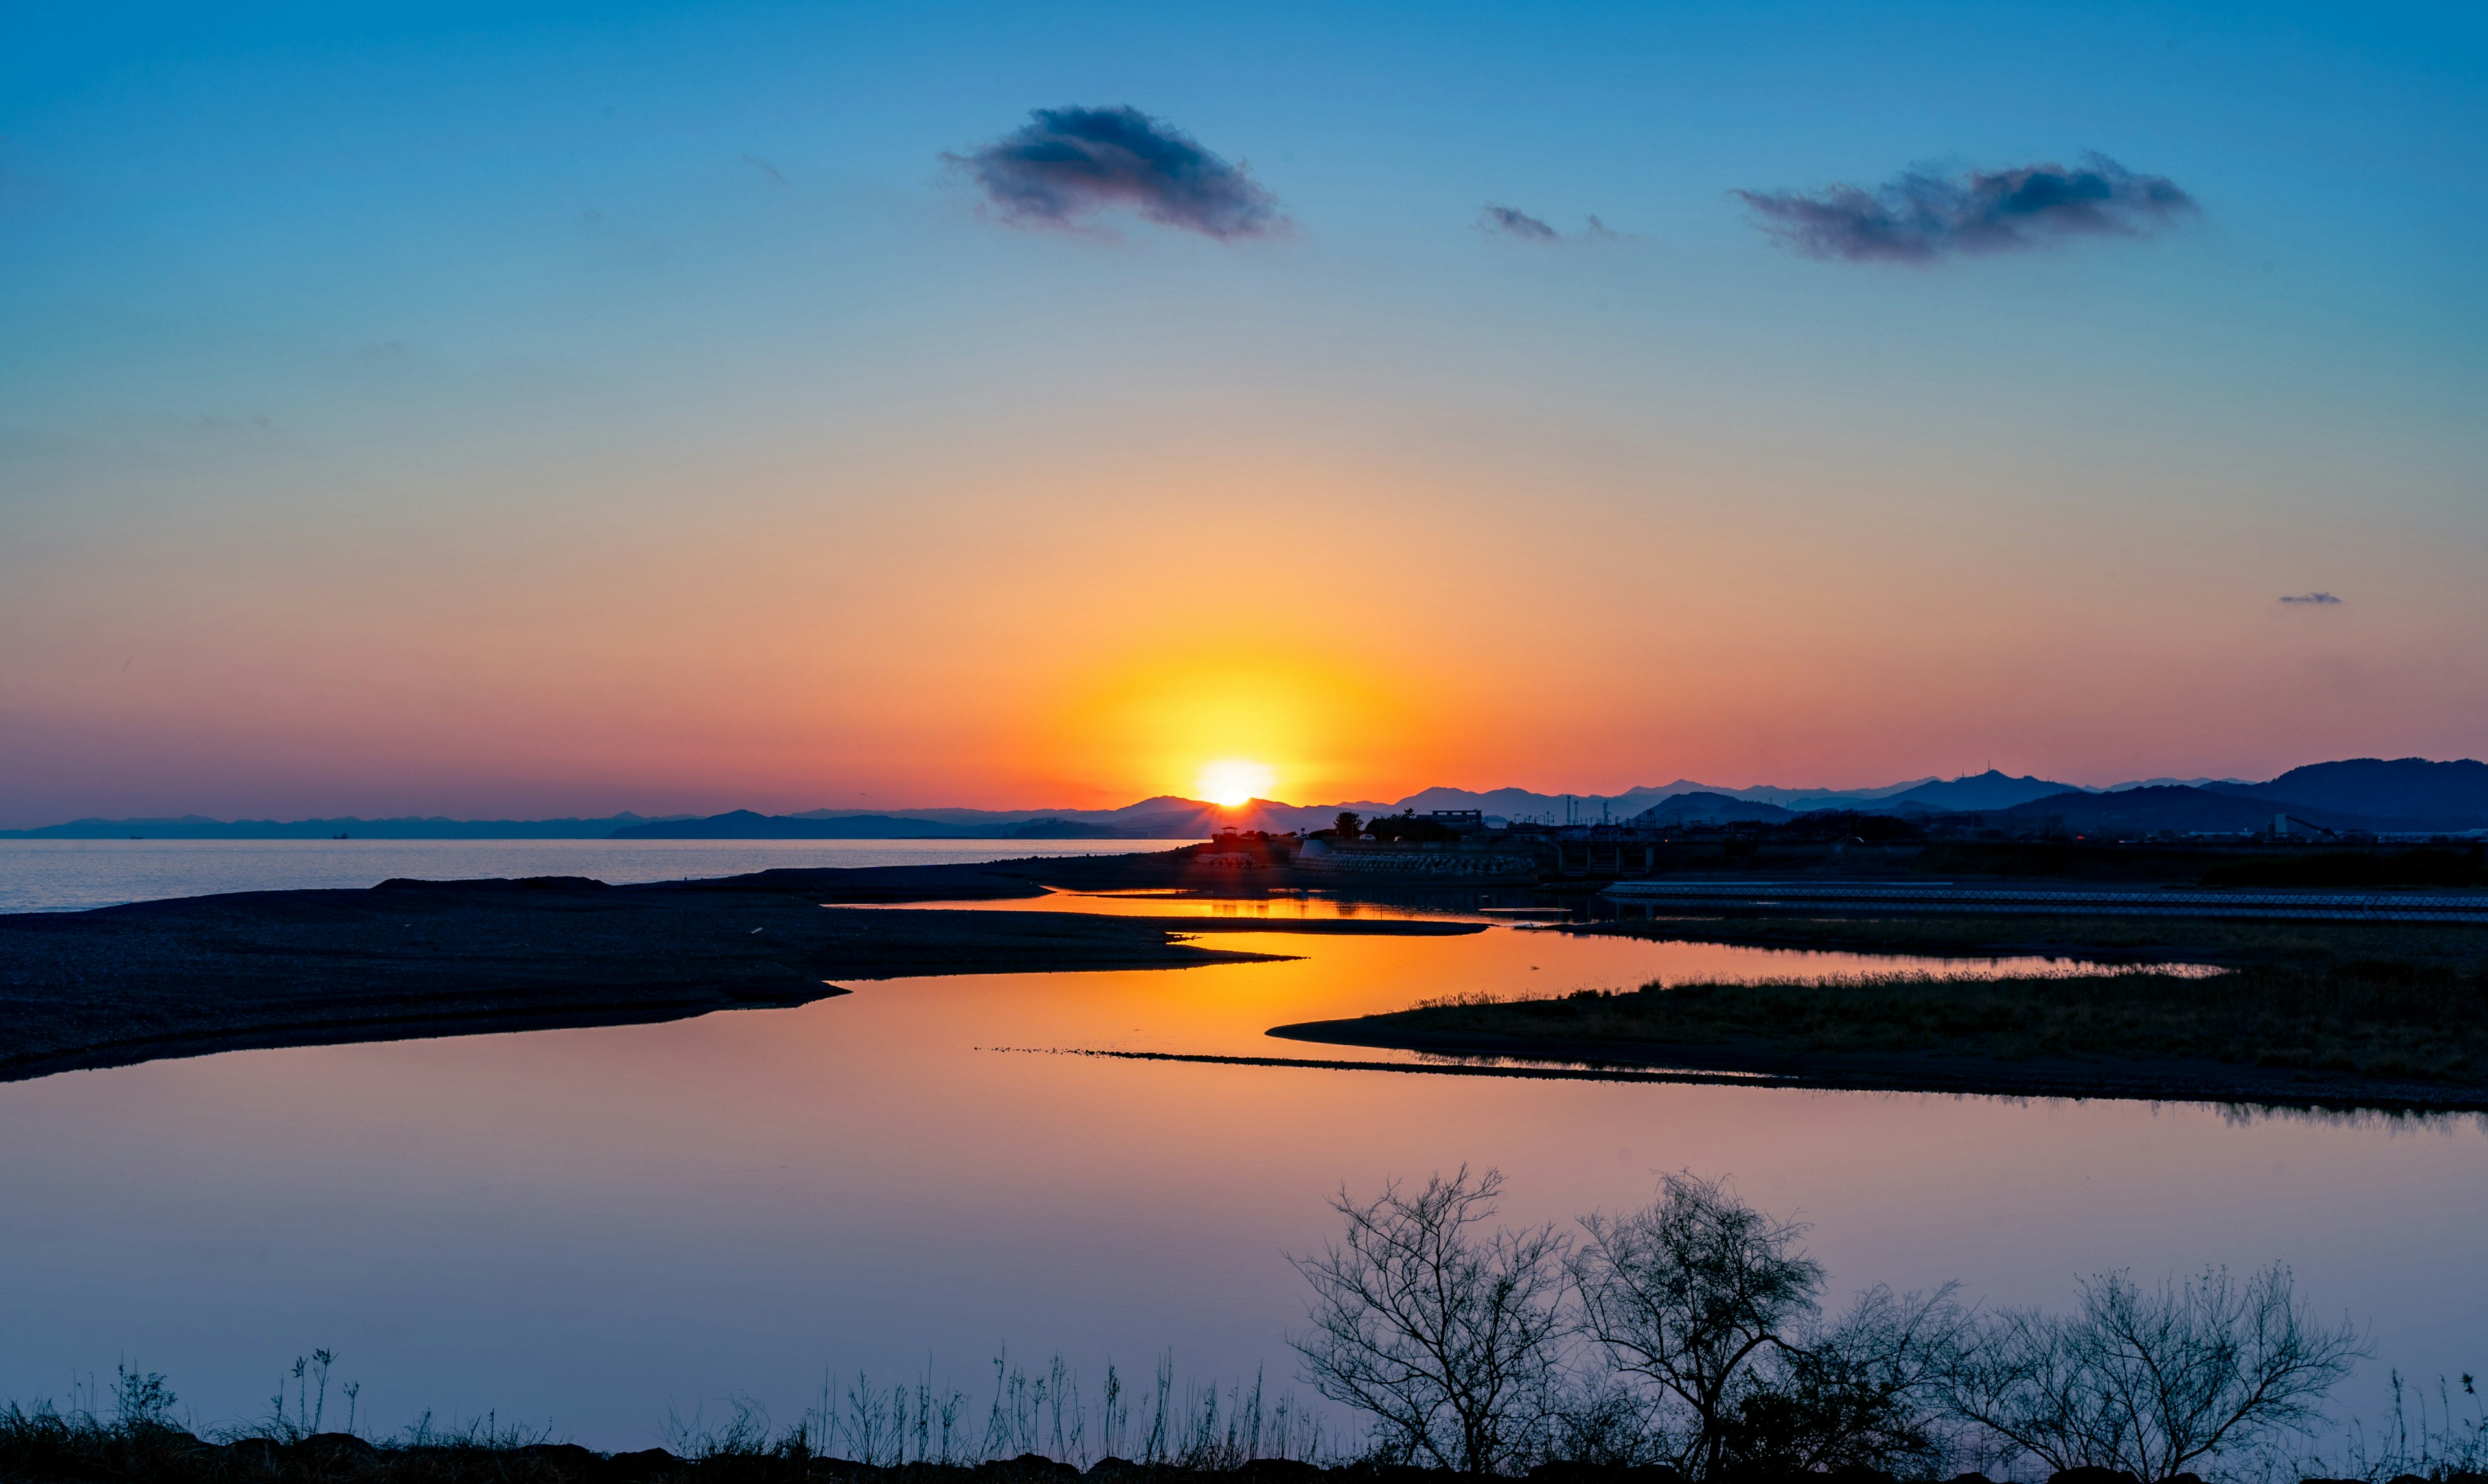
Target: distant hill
1993, 788
1135, 821
1175, 820
1802, 800
1523, 804
1189, 819
2404, 794
2170, 808
1707, 808
2415, 792
744, 824
1863, 800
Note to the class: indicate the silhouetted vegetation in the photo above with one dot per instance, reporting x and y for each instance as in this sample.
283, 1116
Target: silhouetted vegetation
1683, 1342
2380, 1020
1409, 826
1035, 1427
1446, 1337
1691, 1335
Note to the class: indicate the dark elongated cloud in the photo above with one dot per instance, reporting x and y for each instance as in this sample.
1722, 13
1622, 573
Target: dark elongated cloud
1065, 165
1920, 219
1512, 222
2313, 598
1506, 221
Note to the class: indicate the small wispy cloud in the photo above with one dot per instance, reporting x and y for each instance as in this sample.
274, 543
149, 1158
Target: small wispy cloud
764, 167
2319, 599
1921, 219
1512, 222
1066, 165
1505, 221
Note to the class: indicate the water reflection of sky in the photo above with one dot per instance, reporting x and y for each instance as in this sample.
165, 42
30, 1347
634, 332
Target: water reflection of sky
1226, 1013
591, 1227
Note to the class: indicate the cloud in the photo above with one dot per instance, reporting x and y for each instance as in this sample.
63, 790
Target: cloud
1506, 221
1512, 222
764, 167
1921, 219
1068, 164
2319, 599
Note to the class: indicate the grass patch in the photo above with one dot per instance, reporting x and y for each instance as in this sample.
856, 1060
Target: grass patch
2404, 1022
1038, 1427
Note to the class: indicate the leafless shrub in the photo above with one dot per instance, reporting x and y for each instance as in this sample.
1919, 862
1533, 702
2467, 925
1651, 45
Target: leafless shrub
1447, 1335
1861, 1390
2149, 1382
743, 1434
1682, 1296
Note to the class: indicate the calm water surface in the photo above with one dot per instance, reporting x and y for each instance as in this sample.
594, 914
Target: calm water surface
589, 1227
60, 876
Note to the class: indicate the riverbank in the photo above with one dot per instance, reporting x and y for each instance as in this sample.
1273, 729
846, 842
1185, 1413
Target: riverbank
2360, 1034
418, 958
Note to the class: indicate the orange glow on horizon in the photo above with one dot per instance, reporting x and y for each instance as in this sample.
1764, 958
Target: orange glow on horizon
1223, 728
1233, 781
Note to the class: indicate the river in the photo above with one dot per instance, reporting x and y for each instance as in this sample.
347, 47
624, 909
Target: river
589, 1229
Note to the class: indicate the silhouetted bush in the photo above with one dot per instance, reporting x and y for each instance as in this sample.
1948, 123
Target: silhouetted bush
1410, 827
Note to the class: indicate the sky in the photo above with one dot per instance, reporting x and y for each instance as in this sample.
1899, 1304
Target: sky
521, 410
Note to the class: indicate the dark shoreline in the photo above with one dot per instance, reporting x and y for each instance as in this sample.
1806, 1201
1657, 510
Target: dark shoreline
410, 960
195, 975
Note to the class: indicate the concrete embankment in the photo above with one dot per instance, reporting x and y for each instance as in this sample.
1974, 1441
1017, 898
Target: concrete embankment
2465, 907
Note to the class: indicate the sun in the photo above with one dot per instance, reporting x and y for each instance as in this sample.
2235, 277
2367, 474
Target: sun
1232, 781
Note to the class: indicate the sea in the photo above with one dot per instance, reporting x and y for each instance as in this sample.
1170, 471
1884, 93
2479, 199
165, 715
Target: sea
618, 1235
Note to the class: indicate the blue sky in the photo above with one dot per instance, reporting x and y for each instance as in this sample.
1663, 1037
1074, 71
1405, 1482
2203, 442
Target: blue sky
360, 370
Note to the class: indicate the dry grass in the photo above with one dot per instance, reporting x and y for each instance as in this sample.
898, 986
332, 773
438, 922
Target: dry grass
2401, 1020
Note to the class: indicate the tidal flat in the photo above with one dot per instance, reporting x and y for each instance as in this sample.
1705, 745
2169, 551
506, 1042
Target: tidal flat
413, 959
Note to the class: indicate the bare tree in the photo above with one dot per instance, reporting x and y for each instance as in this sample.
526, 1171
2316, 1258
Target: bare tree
2149, 1382
1685, 1293
1863, 1390
1447, 1335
